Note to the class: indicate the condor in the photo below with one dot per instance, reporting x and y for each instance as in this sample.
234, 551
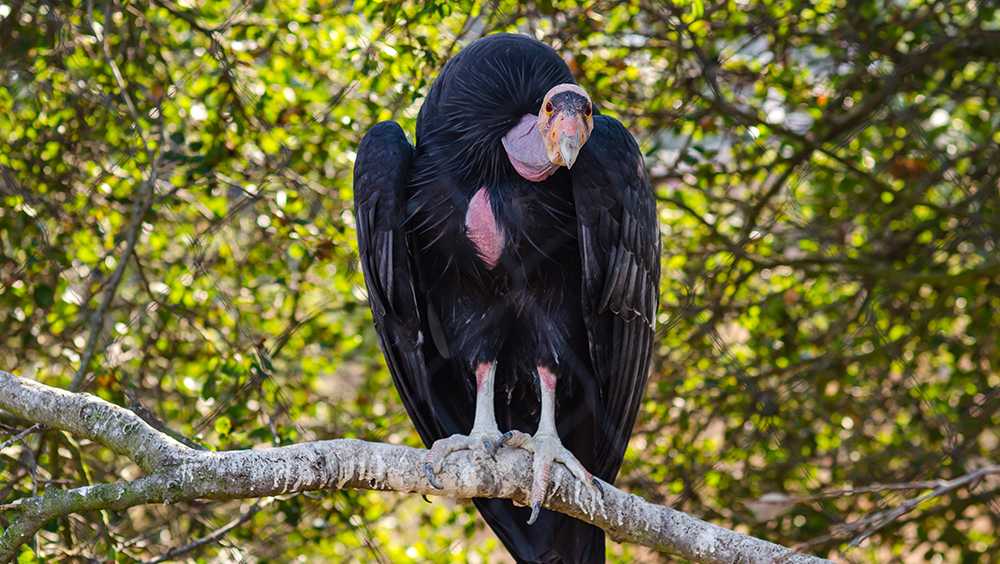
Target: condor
512, 264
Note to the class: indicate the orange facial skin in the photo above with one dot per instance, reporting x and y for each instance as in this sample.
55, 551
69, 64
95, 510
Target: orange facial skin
565, 121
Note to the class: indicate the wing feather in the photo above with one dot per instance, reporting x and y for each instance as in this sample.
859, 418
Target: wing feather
381, 173
620, 250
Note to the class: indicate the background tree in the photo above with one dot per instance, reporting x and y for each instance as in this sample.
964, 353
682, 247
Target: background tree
176, 236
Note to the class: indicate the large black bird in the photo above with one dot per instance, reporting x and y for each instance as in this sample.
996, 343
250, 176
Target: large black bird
514, 249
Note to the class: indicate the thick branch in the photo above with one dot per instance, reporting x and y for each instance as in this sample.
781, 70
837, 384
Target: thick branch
88, 416
179, 473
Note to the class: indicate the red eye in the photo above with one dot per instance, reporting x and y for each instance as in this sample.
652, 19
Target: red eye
589, 110
548, 107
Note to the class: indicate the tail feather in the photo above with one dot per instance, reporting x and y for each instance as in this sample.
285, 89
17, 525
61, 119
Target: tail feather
553, 539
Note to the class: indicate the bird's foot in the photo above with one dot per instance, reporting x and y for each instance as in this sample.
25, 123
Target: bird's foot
547, 450
487, 442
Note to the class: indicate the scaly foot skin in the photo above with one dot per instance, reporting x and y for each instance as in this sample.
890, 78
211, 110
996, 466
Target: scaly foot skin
547, 450
488, 442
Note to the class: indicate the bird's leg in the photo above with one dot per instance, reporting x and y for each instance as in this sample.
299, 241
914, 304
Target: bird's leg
546, 446
484, 436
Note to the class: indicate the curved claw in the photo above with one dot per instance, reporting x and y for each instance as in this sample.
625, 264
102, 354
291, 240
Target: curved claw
516, 439
484, 442
505, 437
491, 447
535, 509
548, 450
429, 474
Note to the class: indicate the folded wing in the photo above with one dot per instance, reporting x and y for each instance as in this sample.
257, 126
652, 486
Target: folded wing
620, 250
381, 172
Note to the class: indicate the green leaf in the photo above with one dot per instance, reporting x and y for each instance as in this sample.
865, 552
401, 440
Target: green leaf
223, 425
44, 296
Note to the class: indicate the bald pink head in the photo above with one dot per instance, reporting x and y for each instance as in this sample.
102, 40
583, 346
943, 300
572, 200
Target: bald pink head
538, 145
565, 122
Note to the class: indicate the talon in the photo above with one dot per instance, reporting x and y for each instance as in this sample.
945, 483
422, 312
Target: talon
492, 447
429, 473
516, 439
547, 450
535, 509
478, 442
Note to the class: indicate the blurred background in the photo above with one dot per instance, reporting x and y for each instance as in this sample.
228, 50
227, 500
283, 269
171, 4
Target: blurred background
176, 236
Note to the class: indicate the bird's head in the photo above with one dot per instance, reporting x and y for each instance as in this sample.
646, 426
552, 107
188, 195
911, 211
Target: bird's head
565, 121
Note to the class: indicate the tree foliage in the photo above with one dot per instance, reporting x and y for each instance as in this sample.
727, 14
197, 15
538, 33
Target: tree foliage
176, 236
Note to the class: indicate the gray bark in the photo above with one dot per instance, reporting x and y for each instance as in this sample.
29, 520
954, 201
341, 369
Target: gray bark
175, 472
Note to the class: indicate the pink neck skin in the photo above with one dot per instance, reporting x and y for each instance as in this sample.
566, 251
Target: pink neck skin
484, 371
482, 229
548, 378
526, 150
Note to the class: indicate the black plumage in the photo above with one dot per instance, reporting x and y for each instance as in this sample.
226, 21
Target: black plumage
574, 287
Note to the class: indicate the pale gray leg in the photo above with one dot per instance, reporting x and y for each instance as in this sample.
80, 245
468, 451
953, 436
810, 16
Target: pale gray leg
546, 446
484, 436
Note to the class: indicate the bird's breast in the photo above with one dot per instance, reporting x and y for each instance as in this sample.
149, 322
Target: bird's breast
482, 229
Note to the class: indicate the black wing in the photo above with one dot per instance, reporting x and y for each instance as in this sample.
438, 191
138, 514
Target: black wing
620, 252
381, 172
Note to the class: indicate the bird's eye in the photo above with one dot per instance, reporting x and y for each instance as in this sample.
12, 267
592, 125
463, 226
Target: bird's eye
588, 110
548, 107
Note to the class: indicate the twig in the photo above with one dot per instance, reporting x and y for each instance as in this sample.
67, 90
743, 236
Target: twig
215, 536
20, 436
141, 207
873, 523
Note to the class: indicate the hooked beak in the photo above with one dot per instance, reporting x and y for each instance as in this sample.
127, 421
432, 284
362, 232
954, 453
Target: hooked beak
568, 133
569, 148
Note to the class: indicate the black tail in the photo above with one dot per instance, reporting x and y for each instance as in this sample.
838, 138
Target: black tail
553, 539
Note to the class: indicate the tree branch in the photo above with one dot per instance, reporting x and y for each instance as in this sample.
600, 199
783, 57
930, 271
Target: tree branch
143, 203
213, 537
176, 472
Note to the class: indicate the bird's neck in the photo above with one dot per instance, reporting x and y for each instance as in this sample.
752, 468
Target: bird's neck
526, 150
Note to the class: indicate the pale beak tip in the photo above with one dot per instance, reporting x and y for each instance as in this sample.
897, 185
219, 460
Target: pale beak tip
569, 149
